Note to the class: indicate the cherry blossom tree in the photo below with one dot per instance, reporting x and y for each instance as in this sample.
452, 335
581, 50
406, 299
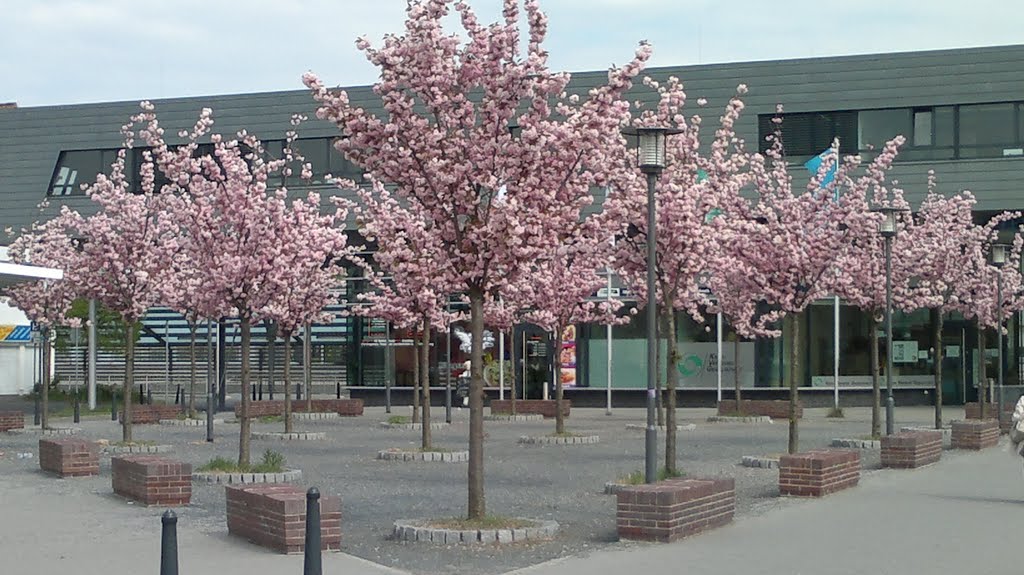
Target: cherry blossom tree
696, 183
47, 303
446, 143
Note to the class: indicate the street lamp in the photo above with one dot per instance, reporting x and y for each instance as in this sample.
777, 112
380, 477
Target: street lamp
650, 158
887, 228
998, 260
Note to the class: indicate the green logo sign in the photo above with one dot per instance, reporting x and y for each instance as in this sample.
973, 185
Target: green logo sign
690, 365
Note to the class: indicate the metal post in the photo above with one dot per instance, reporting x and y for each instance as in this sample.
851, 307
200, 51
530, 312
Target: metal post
651, 434
37, 372
307, 358
448, 376
501, 365
608, 333
718, 364
999, 343
169, 543
835, 355
388, 368
311, 562
167, 357
222, 372
890, 403
209, 381
92, 355
113, 402
76, 333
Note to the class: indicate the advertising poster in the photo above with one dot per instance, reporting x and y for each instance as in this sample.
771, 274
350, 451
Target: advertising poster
568, 357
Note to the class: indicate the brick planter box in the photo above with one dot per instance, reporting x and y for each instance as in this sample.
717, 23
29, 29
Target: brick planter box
673, 509
818, 473
11, 420
343, 407
538, 406
971, 411
68, 457
774, 408
274, 516
152, 480
153, 413
910, 449
975, 434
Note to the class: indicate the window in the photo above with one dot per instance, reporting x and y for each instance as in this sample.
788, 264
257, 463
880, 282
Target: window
324, 159
808, 134
876, 127
77, 167
985, 130
922, 128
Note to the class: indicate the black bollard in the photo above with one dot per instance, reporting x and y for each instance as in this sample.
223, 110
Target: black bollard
142, 395
261, 390
178, 396
113, 404
311, 563
36, 411
254, 393
298, 392
337, 389
169, 544
149, 396
78, 409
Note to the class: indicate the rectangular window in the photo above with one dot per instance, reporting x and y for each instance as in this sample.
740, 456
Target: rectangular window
810, 133
316, 152
922, 128
985, 130
876, 127
77, 167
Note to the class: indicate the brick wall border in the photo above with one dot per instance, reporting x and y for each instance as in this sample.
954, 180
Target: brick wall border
274, 516
675, 508
545, 407
911, 449
975, 434
69, 457
152, 480
818, 473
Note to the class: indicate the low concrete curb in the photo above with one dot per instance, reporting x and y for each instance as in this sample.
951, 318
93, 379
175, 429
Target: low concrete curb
293, 436
739, 419
416, 455
612, 488
210, 477
414, 426
419, 531
947, 432
760, 461
114, 449
518, 418
559, 440
643, 427
189, 422
51, 431
857, 443
315, 416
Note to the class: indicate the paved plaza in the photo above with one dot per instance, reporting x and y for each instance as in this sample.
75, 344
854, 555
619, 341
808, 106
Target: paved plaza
952, 517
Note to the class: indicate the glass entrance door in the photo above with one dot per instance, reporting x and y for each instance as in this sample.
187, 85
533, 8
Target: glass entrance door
954, 376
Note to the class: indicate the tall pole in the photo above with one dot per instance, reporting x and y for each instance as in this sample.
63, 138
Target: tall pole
209, 380
718, 364
835, 355
91, 391
167, 357
999, 343
389, 369
448, 372
890, 403
608, 378
651, 434
501, 365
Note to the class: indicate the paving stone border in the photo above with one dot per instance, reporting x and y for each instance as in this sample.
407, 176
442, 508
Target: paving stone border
857, 443
760, 461
315, 416
114, 449
293, 436
613, 487
559, 440
947, 432
517, 418
222, 478
51, 431
414, 426
643, 427
417, 455
418, 530
189, 422
739, 419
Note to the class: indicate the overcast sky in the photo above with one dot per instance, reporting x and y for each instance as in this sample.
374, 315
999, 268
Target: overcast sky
71, 51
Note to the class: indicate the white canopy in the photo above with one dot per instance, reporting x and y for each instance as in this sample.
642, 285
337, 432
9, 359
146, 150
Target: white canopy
11, 274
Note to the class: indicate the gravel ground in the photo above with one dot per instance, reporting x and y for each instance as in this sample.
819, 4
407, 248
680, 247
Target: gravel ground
560, 482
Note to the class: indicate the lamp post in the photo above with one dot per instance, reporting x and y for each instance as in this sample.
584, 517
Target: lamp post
998, 258
650, 155
887, 228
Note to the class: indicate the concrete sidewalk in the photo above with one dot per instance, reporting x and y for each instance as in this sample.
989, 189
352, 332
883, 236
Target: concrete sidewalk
963, 515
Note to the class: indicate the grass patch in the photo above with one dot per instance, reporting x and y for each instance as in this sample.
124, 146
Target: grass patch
836, 412
271, 419
399, 419
870, 437
137, 442
272, 462
637, 477
488, 522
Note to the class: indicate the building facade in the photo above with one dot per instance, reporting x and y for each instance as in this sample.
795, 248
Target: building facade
962, 112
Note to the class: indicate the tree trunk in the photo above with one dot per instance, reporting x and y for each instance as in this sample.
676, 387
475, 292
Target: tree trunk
129, 380
288, 382
192, 327
982, 375
671, 382
271, 356
736, 372
245, 423
937, 344
307, 366
522, 371
559, 390
415, 379
476, 505
424, 360
794, 386
876, 388
659, 398
44, 381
